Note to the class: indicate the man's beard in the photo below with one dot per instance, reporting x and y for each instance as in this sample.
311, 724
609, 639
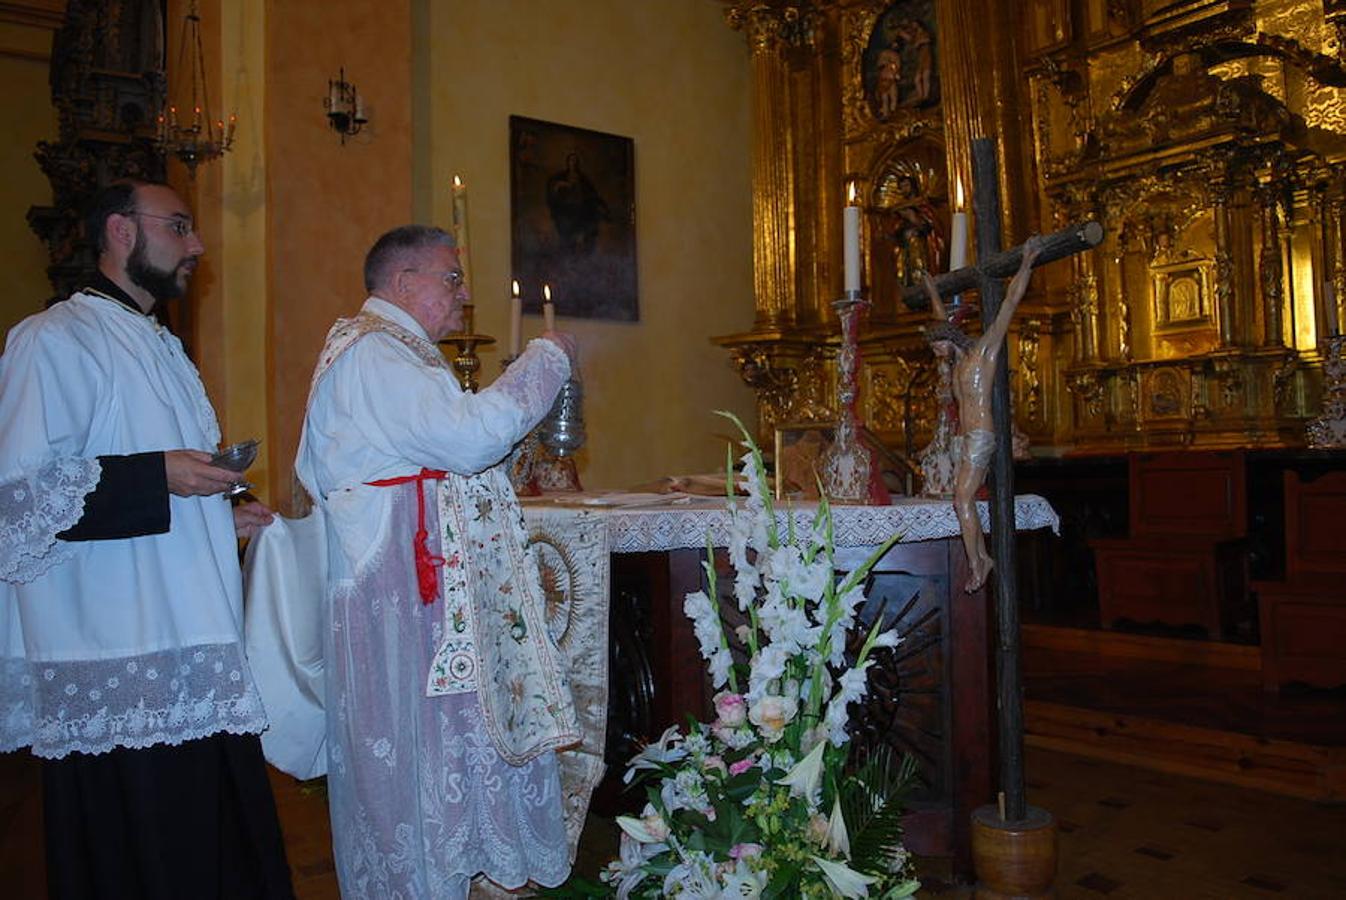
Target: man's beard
161, 284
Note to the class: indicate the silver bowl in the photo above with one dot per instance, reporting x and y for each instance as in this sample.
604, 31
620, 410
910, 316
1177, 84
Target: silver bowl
236, 457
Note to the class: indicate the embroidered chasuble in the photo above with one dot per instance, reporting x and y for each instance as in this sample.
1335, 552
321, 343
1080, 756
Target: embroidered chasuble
445, 700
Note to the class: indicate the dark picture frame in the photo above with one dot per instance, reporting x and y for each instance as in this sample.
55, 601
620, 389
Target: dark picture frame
573, 219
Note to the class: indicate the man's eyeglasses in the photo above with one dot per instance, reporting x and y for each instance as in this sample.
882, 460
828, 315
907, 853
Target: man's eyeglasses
178, 225
452, 279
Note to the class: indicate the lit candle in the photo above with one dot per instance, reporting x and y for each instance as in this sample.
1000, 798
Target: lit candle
460, 229
515, 319
958, 239
548, 311
851, 241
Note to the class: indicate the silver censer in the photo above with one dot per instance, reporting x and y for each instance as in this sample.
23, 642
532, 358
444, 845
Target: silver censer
562, 431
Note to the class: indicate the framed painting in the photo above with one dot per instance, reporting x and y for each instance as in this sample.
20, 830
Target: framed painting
900, 62
798, 458
573, 219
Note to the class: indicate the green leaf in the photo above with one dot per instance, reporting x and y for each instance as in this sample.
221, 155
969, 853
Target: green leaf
872, 805
785, 882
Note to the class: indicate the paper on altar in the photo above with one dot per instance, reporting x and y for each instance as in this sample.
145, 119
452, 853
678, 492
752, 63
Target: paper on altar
285, 578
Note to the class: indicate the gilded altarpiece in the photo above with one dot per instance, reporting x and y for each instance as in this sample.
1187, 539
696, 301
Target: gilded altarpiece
1207, 136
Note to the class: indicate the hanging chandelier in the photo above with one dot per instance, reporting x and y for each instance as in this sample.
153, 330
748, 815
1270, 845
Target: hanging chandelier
196, 137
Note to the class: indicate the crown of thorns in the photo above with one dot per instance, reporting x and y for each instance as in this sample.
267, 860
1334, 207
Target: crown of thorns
947, 331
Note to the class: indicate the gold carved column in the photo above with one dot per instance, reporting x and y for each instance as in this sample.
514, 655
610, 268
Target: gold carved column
1272, 271
767, 27
1221, 191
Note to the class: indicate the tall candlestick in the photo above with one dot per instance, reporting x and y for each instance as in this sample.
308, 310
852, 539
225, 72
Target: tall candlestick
958, 237
548, 311
851, 241
460, 229
515, 320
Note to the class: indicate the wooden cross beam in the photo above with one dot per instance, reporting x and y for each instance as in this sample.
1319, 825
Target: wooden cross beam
1058, 245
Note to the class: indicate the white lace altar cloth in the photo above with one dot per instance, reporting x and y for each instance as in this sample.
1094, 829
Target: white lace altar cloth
644, 522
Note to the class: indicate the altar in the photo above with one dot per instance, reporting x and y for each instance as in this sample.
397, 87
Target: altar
635, 557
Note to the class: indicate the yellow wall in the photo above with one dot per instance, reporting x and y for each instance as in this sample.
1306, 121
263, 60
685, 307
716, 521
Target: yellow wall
26, 110
671, 75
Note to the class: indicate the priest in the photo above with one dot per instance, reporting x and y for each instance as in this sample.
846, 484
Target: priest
121, 654
446, 698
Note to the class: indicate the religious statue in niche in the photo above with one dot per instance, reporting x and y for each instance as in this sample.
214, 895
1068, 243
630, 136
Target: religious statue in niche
915, 226
899, 60
974, 366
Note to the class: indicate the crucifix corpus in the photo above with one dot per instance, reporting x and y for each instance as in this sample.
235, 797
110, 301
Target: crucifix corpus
984, 381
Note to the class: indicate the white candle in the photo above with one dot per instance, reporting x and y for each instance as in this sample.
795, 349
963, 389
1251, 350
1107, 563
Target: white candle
460, 229
548, 311
515, 320
851, 242
958, 237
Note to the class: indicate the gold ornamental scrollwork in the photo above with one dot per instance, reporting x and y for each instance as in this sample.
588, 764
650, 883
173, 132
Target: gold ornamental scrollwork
1087, 385
813, 388
767, 25
773, 386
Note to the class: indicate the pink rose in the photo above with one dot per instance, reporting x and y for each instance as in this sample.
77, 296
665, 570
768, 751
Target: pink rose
741, 766
743, 851
731, 709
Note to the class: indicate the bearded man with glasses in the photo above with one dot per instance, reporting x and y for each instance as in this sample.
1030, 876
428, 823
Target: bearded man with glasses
121, 650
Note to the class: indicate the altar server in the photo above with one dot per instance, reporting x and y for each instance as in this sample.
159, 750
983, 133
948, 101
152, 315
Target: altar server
445, 695
121, 655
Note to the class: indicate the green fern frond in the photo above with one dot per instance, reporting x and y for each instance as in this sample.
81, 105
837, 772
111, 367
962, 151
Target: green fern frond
872, 801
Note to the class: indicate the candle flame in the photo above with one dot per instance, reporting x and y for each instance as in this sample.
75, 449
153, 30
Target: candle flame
546, 293
457, 182
958, 194
514, 286
850, 193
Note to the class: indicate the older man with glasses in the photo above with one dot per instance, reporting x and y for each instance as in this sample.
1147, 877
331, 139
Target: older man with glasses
121, 655
445, 698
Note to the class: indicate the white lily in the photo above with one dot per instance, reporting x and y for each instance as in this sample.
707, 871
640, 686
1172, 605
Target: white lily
838, 841
807, 775
844, 880
638, 830
661, 751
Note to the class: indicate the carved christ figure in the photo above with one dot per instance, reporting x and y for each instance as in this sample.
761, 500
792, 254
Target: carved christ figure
974, 365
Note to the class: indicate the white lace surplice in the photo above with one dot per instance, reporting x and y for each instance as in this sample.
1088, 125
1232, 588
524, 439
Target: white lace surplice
420, 800
129, 642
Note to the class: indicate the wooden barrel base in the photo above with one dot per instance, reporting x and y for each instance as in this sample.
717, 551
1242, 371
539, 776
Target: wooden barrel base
1014, 860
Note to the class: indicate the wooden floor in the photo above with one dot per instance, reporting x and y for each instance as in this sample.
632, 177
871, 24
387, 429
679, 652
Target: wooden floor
1139, 716
1125, 833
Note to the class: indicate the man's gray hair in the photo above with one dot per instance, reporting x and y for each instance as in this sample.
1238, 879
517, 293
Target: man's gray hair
395, 249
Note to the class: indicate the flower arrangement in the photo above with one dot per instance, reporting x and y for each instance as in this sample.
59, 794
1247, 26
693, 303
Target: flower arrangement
765, 801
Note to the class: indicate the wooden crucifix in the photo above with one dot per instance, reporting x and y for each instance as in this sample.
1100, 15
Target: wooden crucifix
992, 265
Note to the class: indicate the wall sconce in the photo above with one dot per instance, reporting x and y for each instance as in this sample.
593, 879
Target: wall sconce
345, 107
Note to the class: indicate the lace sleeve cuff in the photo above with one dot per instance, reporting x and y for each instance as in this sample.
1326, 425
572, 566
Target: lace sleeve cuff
534, 379
37, 506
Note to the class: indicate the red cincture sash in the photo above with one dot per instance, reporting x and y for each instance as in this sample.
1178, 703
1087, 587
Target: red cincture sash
427, 578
